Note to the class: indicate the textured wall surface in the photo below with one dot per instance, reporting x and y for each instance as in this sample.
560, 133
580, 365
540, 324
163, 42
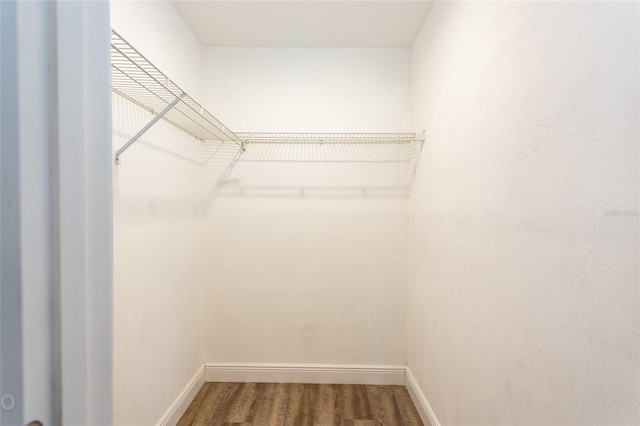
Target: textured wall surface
155, 29
307, 244
157, 245
523, 301
157, 266
309, 89
306, 254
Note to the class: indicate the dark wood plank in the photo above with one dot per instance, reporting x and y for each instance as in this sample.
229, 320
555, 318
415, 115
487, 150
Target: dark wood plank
363, 409
375, 401
348, 406
391, 412
262, 404
408, 411
208, 404
278, 411
241, 404
326, 412
222, 397
296, 404
308, 404
189, 416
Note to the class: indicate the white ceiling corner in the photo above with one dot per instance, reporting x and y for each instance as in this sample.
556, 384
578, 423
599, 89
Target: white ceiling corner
304, 23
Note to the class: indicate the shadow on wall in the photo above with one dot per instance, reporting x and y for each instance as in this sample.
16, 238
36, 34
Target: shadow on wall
310, 170
162, 173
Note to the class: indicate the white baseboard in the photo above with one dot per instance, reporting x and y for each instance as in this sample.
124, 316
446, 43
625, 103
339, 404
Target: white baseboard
427, 414
301, 373
180, 405
306, 373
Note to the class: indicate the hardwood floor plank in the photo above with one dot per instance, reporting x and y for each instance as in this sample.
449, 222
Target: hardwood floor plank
280, 401
241, 405
390, 409
375, 401
348, 408
356, 422
326, 412
262, 404
408, 411
339, 403
363, 408
304, 415
296, 404
209, 403
292, 415
226, 393
193, 409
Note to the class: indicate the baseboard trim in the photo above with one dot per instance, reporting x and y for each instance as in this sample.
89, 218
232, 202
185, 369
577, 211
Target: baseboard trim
427, 414
306, 373
180, 405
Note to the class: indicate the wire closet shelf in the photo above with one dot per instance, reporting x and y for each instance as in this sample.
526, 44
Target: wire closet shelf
330, 138
138, 80
135, 78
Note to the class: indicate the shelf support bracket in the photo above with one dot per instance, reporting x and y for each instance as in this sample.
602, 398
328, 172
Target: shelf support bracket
147, 127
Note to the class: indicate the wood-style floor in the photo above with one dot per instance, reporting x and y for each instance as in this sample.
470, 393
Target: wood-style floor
300, 404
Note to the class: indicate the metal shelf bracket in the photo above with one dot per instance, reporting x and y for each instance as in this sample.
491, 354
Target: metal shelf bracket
147, 127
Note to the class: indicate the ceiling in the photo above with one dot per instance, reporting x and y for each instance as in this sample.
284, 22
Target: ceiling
354, 23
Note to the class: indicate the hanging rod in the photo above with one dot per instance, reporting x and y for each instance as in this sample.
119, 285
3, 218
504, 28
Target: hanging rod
134, 77
331, 138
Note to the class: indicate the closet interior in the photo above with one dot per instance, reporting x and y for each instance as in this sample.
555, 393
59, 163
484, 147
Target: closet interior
281, 217
285, 249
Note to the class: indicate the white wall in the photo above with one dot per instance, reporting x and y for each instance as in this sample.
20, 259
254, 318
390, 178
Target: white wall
308, 90
157, 266
156, 30
307, 255
157, 246
523, 302
307, 244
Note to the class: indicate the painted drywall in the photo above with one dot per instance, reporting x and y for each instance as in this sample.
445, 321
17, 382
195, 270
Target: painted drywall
156, 30
157, 265
157, 247
307, 254
304, 23
308, 90
307, 244
523, 295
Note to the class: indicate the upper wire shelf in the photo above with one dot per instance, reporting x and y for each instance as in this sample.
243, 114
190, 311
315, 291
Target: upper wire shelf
134, 77
330, 138
137, 79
